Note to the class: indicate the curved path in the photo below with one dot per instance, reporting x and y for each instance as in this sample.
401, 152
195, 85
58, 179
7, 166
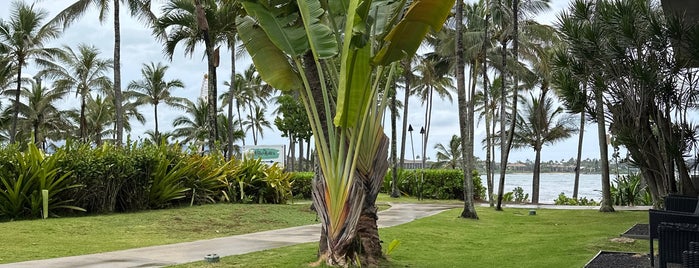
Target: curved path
164, 255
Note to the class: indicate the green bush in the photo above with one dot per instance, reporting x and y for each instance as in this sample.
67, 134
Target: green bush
434, 183
25, 175
134, 177
302, 185
103, 171
628, 190
564, 200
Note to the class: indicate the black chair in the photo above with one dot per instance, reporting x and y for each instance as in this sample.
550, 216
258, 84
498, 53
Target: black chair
681, 203
690, 258
673, 241
656, 217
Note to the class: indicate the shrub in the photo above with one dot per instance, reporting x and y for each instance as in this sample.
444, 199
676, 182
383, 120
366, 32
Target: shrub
302, 185
519, 195
564, 200
628, 190
25, 175
204, 177
436, 183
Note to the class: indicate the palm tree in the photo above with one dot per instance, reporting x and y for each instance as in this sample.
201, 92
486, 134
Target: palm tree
81, 71
192, 128
100, 114
250, 92
432, 79
139, 9
154, 89
193, 22
449, 156
541, 123
583, 17
24, 37
257, 122
506, 16
40, 114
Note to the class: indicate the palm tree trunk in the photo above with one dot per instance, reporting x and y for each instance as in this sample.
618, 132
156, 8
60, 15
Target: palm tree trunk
292, 151
240, 120
606, 204
395, 193
252, 123
407, 74
231, 93
488, 118
301, 155
15, 116
203, 25
118, 108
465, 117
155, 116
536, 177
579, 159
83, 122
503, 149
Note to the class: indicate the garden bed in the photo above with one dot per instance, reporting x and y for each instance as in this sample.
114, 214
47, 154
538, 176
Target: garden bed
609, 259
638, 231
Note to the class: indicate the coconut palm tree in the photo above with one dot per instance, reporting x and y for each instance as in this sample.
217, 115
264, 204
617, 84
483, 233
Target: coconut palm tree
81, 71
189, 23
154, 89
100, 114
257, 122
449, 156
541, 122
139, 9
40, 114
24, 36
250, 92
432, 79
192, 127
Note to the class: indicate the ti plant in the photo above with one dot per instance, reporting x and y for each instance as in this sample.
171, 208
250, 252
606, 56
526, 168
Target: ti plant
337, 55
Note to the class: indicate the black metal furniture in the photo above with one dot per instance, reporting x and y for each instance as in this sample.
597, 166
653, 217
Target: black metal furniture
678, 210
690, 258
681, 203
673, 241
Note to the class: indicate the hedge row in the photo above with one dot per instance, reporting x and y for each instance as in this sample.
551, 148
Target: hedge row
434, 183
437, 184
131, 178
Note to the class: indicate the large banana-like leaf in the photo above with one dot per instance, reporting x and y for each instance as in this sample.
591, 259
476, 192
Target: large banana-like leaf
280, 28
321, 38
385, 14
355, 70
405, 38
271, 63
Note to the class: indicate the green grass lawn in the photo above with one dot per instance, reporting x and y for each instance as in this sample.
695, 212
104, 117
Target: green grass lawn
58, 237
552, 238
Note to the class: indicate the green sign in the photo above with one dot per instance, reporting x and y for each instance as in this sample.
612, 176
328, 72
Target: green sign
266, 153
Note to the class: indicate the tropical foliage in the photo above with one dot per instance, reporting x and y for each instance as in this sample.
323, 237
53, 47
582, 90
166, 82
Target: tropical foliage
347, 130
620, 56
136, 177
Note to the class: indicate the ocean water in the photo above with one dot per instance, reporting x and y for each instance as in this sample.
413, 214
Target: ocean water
552, 184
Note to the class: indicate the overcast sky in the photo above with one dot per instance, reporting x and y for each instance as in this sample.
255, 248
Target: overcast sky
139, 47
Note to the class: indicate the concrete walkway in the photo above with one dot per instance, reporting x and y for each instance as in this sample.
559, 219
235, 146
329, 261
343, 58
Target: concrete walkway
164, 255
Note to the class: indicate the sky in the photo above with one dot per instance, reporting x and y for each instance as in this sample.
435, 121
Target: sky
139, 47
